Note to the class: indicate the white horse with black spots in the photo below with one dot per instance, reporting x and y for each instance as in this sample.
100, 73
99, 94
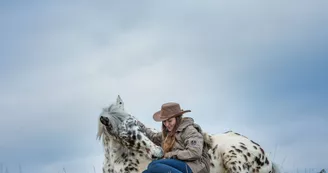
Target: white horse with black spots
128, 149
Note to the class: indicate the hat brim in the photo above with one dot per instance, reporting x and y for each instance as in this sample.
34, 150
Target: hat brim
157, 115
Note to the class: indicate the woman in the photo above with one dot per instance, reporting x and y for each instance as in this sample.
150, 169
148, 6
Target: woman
182, 142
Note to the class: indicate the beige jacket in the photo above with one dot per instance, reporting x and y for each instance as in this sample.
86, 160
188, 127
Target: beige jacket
189, 146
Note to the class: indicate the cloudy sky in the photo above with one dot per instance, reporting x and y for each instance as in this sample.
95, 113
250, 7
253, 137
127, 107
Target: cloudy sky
255, 67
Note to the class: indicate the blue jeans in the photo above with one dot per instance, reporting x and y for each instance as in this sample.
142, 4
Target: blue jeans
168, 166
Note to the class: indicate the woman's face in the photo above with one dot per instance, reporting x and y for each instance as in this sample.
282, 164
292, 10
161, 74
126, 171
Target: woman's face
170, 123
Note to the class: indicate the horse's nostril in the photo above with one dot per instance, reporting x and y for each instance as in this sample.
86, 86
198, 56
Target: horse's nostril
104, 120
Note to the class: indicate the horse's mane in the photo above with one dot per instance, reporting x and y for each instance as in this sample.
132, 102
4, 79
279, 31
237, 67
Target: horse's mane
117, 116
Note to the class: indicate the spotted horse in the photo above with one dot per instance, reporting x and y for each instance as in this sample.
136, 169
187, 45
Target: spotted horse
129, 150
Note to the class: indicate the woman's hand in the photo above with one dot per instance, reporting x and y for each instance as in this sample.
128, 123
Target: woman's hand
170, 155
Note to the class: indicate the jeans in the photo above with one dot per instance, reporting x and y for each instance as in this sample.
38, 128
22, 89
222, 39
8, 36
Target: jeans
168, 166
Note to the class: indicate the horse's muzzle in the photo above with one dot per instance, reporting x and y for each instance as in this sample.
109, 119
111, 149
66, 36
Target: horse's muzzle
104, 120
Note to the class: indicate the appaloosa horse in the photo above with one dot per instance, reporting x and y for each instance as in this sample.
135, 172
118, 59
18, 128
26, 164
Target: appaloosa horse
128, 149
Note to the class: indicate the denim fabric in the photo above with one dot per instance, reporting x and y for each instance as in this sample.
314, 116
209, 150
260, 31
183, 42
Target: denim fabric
168, 166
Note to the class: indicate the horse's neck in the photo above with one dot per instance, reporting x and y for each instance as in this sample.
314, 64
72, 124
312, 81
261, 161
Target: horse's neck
113, 149
117, 157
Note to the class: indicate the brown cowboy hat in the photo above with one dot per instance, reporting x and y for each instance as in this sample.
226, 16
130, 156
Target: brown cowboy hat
168, 111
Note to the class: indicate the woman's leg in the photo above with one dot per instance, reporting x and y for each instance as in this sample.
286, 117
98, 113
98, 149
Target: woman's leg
173, 163
162, 168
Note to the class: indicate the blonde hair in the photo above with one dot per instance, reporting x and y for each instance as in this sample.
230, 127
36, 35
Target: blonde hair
169, 137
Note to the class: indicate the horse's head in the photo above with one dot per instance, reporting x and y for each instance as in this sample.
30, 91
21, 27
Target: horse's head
126, 129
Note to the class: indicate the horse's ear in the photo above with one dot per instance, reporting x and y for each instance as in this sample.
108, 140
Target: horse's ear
120, 102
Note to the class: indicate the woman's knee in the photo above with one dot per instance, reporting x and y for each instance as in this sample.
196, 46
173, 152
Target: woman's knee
151, 164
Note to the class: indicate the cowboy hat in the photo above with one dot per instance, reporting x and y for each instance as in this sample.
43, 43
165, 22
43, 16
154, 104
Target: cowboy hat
168, 111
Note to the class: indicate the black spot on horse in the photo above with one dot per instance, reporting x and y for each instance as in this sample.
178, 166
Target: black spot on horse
138, 136
267, 161
243, 147
134, 137
124, 155
255, 143
262, 150
238, 150
138, 146
214, 149
258, 161
245, 157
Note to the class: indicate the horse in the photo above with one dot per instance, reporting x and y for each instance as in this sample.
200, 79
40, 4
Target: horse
129, 150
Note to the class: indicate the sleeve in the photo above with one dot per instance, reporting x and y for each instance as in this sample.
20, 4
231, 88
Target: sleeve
155, 137
193, 142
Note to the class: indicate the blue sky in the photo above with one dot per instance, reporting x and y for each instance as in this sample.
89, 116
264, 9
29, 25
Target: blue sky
258, 68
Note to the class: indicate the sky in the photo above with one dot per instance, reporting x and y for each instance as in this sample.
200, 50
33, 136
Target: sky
258, 68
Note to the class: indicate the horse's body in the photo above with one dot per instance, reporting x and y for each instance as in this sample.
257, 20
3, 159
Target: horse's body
128, 150
232, 152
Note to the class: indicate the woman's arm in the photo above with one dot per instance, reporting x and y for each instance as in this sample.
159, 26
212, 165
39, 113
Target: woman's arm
155, 137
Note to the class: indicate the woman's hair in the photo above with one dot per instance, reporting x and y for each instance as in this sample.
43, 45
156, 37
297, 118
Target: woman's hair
169, 137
